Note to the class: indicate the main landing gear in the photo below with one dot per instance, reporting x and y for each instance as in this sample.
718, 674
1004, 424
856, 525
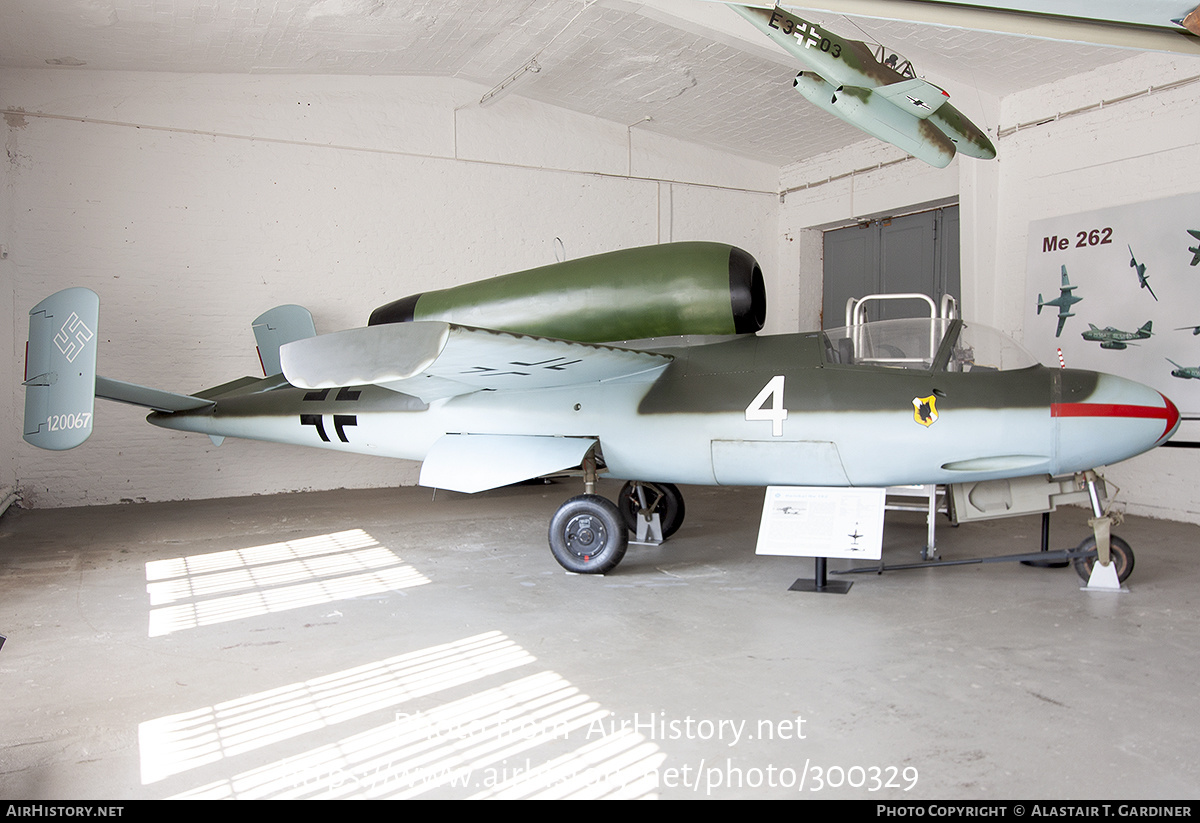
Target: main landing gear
640, 502
589, 533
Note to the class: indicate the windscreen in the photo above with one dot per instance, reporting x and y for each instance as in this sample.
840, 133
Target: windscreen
925, 344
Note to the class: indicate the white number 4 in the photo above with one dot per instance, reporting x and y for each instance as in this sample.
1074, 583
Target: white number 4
776, 413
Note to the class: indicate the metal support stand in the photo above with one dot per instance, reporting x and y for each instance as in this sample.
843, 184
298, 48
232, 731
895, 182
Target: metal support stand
649, 530
928, 494
649, 526
820, 582
1043, 563
1104, 573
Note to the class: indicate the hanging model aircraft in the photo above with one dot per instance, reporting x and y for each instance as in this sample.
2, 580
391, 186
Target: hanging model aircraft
1195, 250
519, 377
875, 90
1140, 268
1066, 298
1113, 338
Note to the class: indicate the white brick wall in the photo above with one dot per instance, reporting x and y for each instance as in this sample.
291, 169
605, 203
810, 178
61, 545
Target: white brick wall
1137, 149
238, 193
193, 203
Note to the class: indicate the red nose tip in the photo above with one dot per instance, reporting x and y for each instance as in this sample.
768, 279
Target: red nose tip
1172, 417
1167, 412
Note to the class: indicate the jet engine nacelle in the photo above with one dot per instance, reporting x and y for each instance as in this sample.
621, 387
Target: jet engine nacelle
654, 291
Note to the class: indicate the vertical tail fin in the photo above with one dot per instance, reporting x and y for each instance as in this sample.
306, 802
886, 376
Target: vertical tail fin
60, 369
276, 327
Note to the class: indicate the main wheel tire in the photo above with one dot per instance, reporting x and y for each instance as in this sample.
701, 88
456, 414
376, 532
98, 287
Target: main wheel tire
587, 535
669, 506
1119, 552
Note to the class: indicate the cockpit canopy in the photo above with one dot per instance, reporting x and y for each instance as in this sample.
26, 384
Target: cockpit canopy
925, 344
895, 61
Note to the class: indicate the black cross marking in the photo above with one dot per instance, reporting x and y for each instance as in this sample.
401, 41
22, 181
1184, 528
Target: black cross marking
344, 393
315, 420
544, 363
553, 364
340, 422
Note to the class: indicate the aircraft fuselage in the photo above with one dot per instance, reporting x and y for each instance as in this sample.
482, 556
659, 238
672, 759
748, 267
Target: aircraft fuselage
749, 411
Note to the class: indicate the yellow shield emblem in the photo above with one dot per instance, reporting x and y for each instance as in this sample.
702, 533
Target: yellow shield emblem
925, 410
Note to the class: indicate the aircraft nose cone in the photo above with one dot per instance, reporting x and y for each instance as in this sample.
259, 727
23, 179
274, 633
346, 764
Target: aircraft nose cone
1118, 419
1172, 419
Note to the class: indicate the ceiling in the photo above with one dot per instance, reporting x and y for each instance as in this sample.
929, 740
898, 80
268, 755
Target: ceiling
682, 68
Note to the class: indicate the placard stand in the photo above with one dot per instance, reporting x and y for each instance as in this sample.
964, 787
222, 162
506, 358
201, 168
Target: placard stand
820, 583
820, 522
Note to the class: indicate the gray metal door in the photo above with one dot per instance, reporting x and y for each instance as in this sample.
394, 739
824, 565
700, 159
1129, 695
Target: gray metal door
914, 253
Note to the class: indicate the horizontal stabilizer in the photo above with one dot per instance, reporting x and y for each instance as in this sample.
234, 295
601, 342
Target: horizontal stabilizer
157, 399
60, 369
432, 360
477, 462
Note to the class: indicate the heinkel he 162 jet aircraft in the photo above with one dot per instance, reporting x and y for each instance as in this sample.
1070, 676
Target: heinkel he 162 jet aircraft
526, 375
874, 89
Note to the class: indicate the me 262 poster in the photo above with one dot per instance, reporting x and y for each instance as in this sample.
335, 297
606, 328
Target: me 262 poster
1119, 292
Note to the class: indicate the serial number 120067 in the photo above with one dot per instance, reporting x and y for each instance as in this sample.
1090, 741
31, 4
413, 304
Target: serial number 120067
62, 422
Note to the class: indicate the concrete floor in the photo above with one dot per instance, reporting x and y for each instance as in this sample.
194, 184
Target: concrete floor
383, 644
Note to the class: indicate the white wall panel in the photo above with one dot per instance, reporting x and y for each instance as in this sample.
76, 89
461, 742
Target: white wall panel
1126, 151
193, 203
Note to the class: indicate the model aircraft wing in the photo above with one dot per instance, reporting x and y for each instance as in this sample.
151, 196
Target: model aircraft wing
432, 360
918, 97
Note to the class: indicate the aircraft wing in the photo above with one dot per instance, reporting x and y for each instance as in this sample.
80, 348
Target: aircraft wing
433, 360
472, 463
918, 97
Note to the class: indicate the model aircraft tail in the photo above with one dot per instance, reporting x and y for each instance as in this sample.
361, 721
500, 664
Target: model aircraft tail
60, 369
277, 327
1040, 304
61, 385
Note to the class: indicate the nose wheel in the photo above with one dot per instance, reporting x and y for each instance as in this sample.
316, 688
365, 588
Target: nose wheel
587, 535
1119, 552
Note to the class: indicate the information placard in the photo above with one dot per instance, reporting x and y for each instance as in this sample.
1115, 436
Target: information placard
816, 521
